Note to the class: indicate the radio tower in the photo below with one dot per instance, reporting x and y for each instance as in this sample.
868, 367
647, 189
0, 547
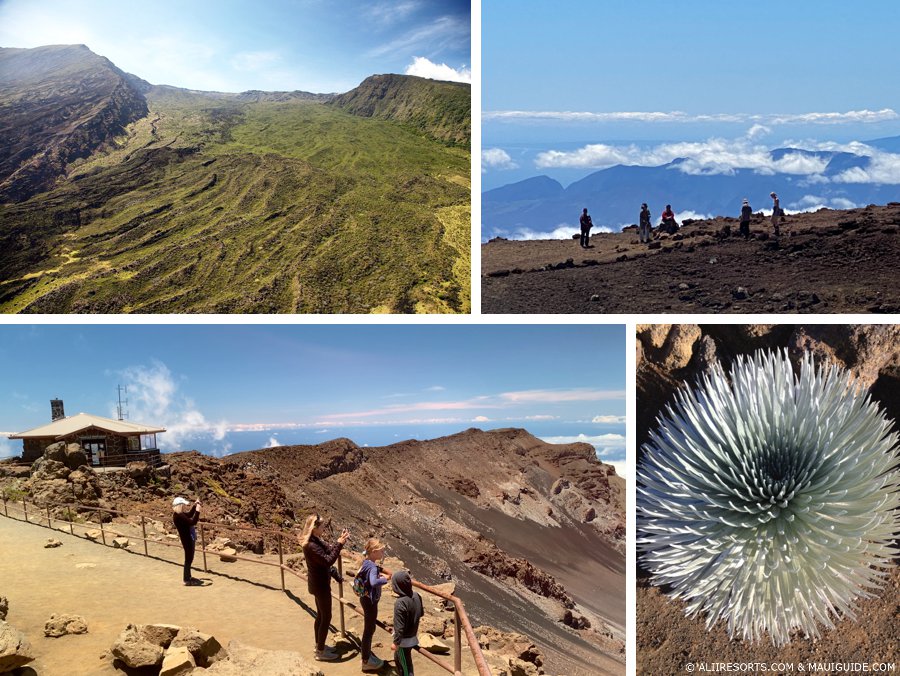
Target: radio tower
123, 403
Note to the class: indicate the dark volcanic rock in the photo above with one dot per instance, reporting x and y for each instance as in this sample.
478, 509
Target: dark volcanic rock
58, 104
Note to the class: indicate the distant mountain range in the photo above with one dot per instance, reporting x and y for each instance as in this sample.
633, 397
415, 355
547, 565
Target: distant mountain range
121, 196
613, 196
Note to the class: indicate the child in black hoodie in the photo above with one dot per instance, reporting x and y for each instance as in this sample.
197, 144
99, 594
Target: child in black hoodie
408, 610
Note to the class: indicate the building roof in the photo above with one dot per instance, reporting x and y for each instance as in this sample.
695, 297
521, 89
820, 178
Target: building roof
76, 423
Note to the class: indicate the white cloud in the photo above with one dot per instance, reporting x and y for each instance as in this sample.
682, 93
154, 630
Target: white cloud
322, 431
608, 419
556, 396
496, 158
422, 67
758, 131
444, 32
815, 202
852, 116
561, 231
481, 418
273, 443
6, 446
435, 388
387, 13
713, 156
155, 399
611, 446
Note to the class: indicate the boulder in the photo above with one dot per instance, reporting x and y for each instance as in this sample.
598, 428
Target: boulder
15, 650
47, 468
121, 543
227, 555
74, 456
51, 492
159, 634
243, 660
519, 667
205, 649
93, 534
446, 588
56, 452
62, 624
4, 607
85, 486
140, 471
135, 651
51, 543
430, 624
433, 645
177, 662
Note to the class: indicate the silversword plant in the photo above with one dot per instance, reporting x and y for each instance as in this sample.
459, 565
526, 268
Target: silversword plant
770, 500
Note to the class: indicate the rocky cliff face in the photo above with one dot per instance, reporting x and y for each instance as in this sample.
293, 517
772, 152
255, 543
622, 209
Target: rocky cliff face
440, 110
58, 104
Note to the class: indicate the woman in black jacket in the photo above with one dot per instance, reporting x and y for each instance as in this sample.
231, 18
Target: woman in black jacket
185, 516
320, 556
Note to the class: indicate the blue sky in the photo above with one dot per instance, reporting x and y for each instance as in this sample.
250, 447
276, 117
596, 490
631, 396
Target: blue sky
559, 77
204, 382
232, 45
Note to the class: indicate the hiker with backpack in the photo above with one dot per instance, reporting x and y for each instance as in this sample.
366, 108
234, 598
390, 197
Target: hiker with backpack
586, 225
320, 557
408, 610
746, 213
645, 224
367, 584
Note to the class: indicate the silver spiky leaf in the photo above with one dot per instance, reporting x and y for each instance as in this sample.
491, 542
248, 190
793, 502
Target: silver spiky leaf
768, 500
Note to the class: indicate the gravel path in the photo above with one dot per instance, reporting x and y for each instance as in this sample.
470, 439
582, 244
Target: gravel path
112, 587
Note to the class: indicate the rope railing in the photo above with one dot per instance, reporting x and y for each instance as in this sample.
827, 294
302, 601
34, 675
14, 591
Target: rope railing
462, 626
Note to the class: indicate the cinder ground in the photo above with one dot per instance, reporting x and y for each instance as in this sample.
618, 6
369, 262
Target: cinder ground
112, 587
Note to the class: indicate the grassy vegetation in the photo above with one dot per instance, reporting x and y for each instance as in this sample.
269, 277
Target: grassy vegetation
209, 205
216, 488
13, 492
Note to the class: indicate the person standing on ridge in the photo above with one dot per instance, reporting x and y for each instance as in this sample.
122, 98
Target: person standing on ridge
746, 213
668, 220
586, 226
370, 571
645, 224
320, 556
777, 214
185, 516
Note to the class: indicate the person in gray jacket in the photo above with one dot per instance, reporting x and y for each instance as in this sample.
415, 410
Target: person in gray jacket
645, 224
408, 610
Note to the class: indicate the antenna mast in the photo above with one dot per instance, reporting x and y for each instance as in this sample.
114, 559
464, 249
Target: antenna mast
123, 403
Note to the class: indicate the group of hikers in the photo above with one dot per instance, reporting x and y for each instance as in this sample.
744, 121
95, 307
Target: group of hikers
669, 225
320, 556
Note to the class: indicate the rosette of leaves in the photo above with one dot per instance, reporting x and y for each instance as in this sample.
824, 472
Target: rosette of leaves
770, 500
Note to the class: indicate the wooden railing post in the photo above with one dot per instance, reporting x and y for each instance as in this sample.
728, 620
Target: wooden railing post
25, 509
102, 532
340, 567
5, 512
49, 523
457, 644
203, 547
280, 562
144, 531
71, 520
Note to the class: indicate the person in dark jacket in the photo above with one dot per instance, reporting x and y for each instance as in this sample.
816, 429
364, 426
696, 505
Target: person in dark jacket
408, 610
586, 226
746, 213
375, 579
185, 515
320, 556
645, 224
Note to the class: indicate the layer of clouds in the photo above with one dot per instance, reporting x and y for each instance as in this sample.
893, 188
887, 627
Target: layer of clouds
446, 32
714, 156
155, 398
272, 443
423, 67
561, 231
7, 450
496, 158
608, 446
609, 419
851, 116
